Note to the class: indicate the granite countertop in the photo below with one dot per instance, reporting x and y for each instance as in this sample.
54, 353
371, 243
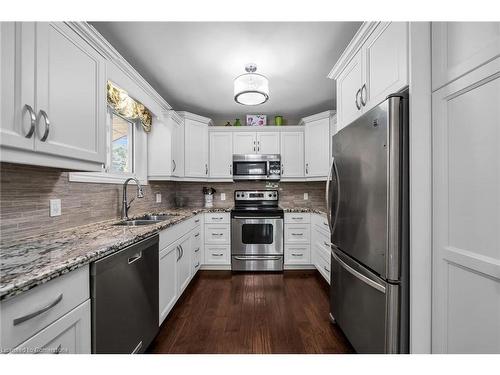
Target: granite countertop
32, 261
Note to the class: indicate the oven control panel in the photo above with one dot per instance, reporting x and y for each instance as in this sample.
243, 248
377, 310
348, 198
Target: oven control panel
256, 195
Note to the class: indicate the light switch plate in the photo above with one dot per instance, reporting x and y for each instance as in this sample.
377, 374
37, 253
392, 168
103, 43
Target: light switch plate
306, 196
222, 196
158, 197
55, 207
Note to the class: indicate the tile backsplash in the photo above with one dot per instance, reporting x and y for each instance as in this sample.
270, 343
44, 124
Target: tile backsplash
25, 192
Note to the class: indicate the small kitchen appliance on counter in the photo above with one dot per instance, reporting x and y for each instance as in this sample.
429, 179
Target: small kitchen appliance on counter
256, 231
208, 194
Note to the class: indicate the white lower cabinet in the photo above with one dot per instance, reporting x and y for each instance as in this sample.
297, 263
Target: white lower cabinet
168, 280
217, 241
217, 254
297, 254
67, 335
320, 245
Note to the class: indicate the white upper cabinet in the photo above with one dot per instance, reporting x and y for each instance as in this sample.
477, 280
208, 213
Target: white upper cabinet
292, 154
256, 143
317, 144
244, 143
166, 148
386, 56
70, 82
374, 65
268, 142
221, 154
460, 47
349, 84
195, 145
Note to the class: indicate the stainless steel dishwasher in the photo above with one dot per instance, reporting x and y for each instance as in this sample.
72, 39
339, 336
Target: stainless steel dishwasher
124, 288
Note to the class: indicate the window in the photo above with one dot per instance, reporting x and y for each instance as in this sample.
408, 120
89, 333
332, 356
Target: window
121, 151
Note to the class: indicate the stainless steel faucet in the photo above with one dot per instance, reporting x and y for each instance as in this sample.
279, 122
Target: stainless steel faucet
125, 203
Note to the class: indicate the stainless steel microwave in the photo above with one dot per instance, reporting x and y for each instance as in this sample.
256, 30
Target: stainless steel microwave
256, 167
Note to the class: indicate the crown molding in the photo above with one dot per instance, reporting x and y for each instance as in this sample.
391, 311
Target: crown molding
195, 117
317, 116
96, 40
352, 48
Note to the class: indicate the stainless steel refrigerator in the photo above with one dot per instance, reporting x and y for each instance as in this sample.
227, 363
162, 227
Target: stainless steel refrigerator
367, 203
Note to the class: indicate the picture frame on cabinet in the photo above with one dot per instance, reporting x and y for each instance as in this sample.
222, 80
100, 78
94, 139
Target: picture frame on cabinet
256, 120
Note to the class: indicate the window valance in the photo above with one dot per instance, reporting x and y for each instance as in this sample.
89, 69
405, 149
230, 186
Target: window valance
127, 107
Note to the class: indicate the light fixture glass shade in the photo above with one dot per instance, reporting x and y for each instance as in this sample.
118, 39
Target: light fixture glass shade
251, 89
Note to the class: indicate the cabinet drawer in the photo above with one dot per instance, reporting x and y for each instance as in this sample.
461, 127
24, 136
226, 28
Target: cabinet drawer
196, 259
217, 254
297, 233
297, 254
69, 334
320, 223
173, 233
24, 315
297, 218
217, 218
323, 266
217, 234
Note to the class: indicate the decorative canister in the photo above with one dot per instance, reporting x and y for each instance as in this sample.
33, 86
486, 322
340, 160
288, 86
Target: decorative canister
278, 120
237, 122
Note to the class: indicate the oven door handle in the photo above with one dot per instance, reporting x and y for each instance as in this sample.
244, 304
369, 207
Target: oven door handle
257, 217
257, 257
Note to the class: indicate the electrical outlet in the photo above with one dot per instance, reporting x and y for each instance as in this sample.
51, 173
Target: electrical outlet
55, 207
306, 196
222, 196
158, 197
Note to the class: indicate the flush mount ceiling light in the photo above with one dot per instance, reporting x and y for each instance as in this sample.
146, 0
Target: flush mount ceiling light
251, 88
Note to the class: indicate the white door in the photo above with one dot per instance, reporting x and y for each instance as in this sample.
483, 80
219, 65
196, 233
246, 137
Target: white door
71, 90
184, 264
17, 85
459, 47
168, 280
317, 148
466, 213
69, 334
195, 149
386, 62
349, 85
221, 154
244, 143
292, 154
268, 142
178, 150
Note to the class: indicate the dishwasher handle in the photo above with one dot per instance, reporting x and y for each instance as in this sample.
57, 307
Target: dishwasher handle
135, 257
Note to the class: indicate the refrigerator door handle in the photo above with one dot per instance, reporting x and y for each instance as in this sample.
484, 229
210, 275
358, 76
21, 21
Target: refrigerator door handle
327, 197
357, 274
337, 197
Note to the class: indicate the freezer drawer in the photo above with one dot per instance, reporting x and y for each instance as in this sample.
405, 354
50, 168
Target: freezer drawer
364, 306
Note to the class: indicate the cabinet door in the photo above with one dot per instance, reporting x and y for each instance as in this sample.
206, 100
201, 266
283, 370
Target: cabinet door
348, 84
386, 62
17, 84
184, 264
268, 142
317, 148
221, 154
168, 280
160, 142
70, 334
196, 149
244, 143
466, 215
178, 150
459, 47
71, 89
292, 154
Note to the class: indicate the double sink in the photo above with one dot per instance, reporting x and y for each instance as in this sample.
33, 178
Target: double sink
145, 220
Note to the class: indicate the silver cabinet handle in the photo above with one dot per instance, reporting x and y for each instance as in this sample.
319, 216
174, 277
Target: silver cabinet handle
47, 125
206, 168
357, 274
230, 169
358, 106
282, 168
307, 168
175, 165
325, 223
135, 258
297, 218
326, 269
297, 255
178, 253
197, 221
327, 244
198, 249
297, 234
58, 349
29, 109
182, 251
363, 88
217, 218
197, 235
217, 234
197, 265
217, 254
29, 316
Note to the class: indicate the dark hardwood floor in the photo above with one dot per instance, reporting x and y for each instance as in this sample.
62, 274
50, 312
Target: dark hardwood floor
221, 312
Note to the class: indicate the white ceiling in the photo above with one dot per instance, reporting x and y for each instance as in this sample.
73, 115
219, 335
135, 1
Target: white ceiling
193, 64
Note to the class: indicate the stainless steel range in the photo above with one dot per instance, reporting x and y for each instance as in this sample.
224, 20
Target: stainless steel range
256, 231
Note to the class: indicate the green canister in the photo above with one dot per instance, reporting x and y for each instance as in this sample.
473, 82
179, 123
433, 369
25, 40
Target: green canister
237, 122
278, 120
